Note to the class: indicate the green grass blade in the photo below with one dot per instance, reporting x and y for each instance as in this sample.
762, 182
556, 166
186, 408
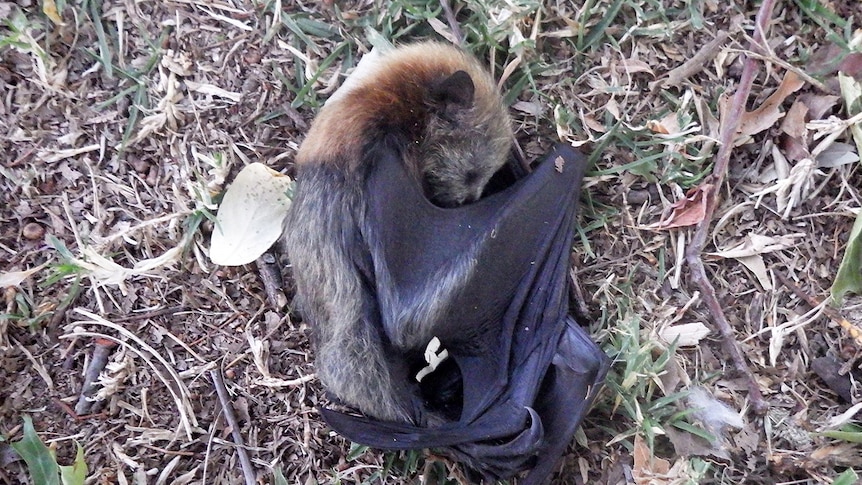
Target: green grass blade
41, 463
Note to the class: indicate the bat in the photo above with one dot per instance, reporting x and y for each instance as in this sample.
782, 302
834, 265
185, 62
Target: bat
394, 247
440, 112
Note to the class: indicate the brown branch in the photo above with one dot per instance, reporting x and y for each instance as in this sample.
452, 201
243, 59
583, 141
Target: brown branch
270, 275
729, 127
230, 417
453, 22
101, 353
694, 65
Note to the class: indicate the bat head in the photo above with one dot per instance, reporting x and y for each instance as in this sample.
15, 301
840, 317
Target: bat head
467, 139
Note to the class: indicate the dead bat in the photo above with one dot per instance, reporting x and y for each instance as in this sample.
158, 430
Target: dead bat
439, 111
391, 250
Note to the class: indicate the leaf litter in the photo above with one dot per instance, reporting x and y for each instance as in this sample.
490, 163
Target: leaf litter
201, 96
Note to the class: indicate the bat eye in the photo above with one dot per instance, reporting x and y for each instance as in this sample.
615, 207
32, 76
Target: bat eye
471, 177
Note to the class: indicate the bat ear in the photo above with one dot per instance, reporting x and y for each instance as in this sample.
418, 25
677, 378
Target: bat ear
456, 90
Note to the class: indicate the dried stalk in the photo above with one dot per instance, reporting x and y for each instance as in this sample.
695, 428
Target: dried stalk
729, 128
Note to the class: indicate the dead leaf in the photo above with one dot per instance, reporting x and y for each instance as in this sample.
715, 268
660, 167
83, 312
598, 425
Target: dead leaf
685, 335
669, 125
794, 121
754, 244
250, 216
828, 369
632, 66
844, 417
688, 211
15, 278
212, 90
750, 250
529, 107
852, 65
647, 466
49, 8
178, 63
795, 149
819, 105
687, 444
834, 454
768, 113
837, 154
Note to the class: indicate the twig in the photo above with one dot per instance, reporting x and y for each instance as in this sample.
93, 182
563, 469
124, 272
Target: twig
72, 414
152, 314
230, 417
101, 353
852, 330
730, 125
453, 22
790, 67
270, 274
576, 293
694, 65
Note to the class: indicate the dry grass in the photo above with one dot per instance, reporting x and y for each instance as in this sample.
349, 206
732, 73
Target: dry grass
118, 137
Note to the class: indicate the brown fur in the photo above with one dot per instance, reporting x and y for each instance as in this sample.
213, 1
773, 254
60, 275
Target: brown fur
451, 150
455, 157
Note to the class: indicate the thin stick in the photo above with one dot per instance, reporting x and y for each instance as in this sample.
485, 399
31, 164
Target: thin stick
696, 64
453, 22
270, 275
230, 417
852, 330
730, 125
101, 353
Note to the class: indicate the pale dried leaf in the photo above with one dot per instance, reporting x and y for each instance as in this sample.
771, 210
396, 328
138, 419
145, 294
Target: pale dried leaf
844, 417
15, 278
836, 155
178, 63
49, 8
213, 91
51, 156
529, 107
250, 217
684, 335
632, 66
755, 244
756, 265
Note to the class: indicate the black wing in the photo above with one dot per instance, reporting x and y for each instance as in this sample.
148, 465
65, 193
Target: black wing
495, 273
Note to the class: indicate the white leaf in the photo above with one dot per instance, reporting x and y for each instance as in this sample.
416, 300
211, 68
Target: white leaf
685, 335
15, 278
250, 216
